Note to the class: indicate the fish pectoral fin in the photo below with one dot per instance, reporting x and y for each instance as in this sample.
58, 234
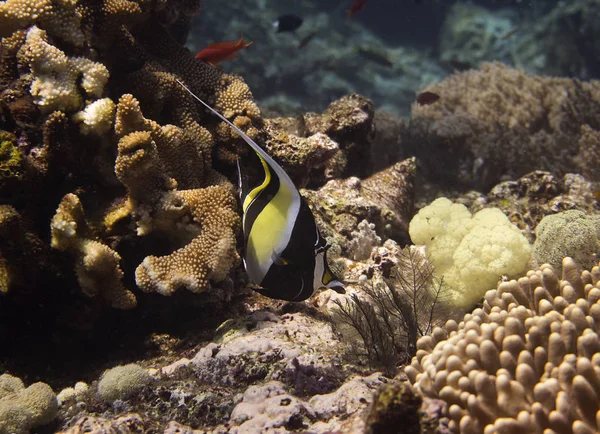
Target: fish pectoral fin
331, 281
339, 289
278, 260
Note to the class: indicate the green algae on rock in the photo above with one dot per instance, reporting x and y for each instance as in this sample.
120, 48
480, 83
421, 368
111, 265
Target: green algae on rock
11, 160
395, 408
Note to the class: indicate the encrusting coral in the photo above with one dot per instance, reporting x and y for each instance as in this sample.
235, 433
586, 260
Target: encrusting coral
122, 381
23, 408
570, 233
385, 199
527, 200
527, 361
500, 122
19, 247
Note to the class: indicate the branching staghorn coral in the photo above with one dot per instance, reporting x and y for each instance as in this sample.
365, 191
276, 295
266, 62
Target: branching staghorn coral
527, 361
396, 310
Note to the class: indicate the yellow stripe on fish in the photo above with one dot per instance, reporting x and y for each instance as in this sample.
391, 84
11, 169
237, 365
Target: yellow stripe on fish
270, 231
252, 195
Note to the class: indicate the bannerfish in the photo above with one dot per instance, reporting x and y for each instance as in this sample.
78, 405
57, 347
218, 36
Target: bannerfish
284, 252
220, 51
287, 23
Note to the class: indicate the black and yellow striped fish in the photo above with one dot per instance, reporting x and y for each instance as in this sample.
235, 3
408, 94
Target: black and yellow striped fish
284, 253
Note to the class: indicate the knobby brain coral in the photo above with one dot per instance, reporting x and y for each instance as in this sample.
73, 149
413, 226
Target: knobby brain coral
527, 361
122, 381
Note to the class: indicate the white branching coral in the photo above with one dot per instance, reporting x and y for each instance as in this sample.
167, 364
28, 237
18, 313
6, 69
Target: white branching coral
57, 77
364, 239
527, 362
97, 118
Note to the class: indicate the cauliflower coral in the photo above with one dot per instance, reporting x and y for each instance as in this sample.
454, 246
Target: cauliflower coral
469, 252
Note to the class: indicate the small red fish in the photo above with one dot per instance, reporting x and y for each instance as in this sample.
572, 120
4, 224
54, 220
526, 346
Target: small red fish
427, 98
357, 6
220, 51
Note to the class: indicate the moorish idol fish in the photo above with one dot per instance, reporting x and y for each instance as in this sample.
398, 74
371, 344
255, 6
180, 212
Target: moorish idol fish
284, 252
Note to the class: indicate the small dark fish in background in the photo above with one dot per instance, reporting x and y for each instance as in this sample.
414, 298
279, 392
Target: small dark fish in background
510, 33
376, 56
287, 23
357, 6
427, 98
304, 41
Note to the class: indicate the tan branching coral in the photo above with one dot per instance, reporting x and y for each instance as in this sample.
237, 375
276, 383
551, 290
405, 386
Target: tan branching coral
59, 17
210, 255
55, 62
97, 265
528, 361
234, 98
193, 141
202, 217
57, 77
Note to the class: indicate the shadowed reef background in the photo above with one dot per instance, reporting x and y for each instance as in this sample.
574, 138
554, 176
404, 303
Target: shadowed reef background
449, 152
